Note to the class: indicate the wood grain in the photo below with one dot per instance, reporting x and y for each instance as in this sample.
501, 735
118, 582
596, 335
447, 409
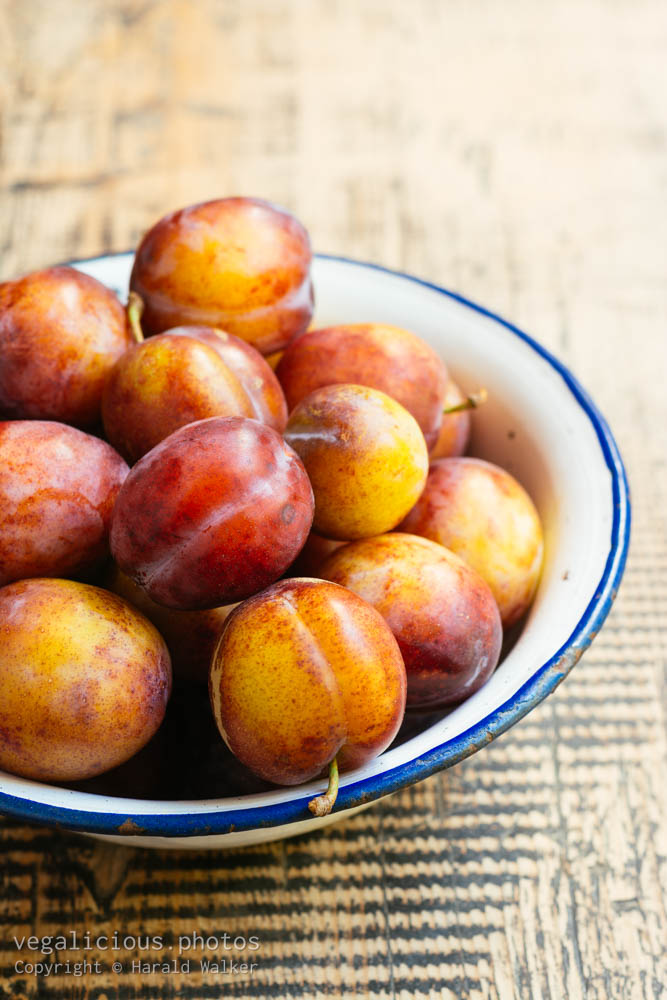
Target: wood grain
516, 152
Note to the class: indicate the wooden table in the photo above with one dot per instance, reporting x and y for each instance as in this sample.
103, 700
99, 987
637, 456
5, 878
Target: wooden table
516, 152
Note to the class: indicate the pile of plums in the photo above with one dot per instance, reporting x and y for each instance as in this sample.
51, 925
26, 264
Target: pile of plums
302, 534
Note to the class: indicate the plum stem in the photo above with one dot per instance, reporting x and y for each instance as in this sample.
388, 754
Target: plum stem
471, 402
323, 804
135, 309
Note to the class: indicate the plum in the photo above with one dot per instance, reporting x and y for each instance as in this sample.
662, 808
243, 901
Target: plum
306, 672
60, 334
482, 513
442, 613
214, 513
163, 384
184, 375
191, 636
365, 455
84, 680
241, 264
387, 358
58, 486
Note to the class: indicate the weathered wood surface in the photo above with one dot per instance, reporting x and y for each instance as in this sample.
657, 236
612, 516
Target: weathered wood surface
516, 152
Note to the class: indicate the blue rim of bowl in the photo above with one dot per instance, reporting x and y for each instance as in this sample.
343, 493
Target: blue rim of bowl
542, 682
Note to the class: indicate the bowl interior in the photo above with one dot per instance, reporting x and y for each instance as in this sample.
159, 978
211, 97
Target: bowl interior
535, 425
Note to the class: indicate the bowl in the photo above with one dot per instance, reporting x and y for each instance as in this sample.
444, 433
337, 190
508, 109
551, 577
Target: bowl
539, 424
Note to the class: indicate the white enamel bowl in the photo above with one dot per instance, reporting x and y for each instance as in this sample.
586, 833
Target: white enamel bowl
538, 423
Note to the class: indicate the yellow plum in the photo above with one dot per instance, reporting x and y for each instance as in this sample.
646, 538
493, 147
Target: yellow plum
365, 456
306, 672
84, 680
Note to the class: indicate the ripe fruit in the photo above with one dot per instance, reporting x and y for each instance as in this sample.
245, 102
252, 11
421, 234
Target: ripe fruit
387, 358
214, 513
84, 680
58, 486
481, 512
163, 384
365, 456
60, 334
441, 612
240, 264
184, 375
306, 672
191, 636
